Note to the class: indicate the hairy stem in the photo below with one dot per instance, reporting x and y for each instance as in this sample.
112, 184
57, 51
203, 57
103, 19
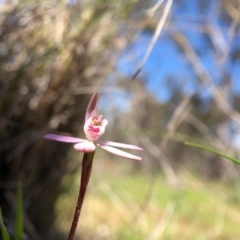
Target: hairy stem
85, 175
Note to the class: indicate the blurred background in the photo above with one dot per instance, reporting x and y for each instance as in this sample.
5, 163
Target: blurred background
167, 71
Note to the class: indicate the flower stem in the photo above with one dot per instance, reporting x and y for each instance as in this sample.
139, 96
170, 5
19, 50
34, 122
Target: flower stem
85, 175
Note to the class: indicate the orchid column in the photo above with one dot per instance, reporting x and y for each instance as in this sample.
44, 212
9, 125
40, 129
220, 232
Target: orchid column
94, 128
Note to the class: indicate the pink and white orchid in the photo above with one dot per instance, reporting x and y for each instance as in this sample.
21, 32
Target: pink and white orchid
94, 128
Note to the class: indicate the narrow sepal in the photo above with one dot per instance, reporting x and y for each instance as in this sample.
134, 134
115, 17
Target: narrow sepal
121, 145
92, 107
62, 138
120, 152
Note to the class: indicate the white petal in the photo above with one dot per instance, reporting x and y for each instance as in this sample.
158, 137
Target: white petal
85, 146
119, 152
121, 145
104, 123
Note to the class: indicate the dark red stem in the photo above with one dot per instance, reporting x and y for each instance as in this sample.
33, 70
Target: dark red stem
85, 175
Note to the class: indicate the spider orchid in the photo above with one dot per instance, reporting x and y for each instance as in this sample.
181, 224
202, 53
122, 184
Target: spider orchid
94, 128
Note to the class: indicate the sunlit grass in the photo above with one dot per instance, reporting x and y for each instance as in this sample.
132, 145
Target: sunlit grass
137, 206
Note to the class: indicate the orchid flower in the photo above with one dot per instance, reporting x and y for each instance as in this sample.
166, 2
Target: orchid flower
94, 128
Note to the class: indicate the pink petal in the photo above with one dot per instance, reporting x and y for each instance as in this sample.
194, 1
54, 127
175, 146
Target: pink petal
119, 152
92, 107
61, 138
85, 147
121, 145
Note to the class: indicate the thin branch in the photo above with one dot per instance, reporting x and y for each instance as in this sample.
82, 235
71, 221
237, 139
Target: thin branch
176, 119
215, 141
164, 222
205, 77
156, 152
154, 39
151, 11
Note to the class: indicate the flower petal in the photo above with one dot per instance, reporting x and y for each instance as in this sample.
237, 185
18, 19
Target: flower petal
85, 147
62, 138
104, 123
92, 107
121, 145
119, 152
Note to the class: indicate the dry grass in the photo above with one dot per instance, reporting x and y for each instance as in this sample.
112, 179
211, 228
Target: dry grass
128, 206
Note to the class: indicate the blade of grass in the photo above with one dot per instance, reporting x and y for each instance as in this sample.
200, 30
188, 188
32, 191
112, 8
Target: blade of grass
19, 217
5, 235
213, 151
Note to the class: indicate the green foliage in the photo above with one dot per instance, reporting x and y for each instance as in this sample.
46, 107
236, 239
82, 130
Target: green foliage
213, 151
137, 206
19, 218
5, 235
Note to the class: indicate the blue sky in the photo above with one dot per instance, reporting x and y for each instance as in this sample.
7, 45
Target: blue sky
162, 62
167, 61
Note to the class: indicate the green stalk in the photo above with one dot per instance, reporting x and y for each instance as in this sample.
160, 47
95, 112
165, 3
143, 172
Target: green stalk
213, 151
5, 235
